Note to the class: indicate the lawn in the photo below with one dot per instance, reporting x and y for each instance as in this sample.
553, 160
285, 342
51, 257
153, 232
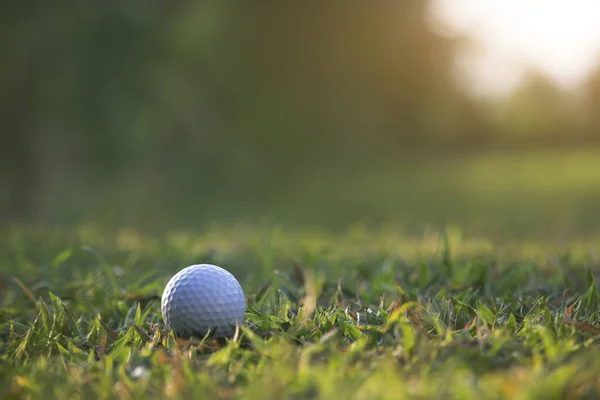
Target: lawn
363, 314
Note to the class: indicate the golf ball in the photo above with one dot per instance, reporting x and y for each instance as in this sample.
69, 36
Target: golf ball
203, 297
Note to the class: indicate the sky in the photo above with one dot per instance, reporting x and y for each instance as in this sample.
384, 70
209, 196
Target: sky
562, 38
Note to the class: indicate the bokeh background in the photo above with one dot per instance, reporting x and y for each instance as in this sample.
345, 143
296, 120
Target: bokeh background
179, 115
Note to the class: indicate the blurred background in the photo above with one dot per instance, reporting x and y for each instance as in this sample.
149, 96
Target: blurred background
415, 114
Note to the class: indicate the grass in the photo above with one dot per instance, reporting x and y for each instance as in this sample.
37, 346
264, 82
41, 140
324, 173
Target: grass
543, 193
366, 315
550, 194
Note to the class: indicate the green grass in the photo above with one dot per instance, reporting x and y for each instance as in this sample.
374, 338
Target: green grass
550, 194
367, 315
544, 194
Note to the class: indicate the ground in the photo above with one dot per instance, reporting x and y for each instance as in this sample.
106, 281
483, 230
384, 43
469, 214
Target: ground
363, 314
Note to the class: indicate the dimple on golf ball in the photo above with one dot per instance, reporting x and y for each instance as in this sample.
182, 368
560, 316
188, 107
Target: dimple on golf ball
203, 297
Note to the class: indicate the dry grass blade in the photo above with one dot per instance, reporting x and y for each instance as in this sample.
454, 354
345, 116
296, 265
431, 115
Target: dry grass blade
188, 343
112, 335
25, 290
569, 312
352, 314
416, 318
585, 327
310, 299
328, 335
339, 295
396, 305
101, 348
236, 334
141, 298
142, 333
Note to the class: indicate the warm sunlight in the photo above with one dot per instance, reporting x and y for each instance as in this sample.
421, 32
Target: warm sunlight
562, 38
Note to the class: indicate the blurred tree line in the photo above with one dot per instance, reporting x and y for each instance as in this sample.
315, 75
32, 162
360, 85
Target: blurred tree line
210, 106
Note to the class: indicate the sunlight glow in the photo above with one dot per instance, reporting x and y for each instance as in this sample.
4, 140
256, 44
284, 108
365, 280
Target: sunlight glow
562, 38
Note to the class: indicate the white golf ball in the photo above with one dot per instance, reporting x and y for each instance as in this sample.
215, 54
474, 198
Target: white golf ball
203, 297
